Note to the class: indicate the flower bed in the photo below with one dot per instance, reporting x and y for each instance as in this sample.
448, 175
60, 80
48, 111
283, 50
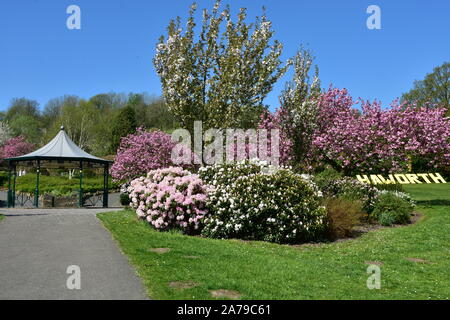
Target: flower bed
251, 200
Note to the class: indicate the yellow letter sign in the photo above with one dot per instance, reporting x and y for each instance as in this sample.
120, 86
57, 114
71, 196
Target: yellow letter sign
407, 178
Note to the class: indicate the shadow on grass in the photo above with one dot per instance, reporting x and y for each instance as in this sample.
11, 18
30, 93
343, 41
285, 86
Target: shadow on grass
434, 202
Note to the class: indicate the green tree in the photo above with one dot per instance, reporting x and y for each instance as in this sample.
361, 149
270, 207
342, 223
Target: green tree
79, 121
108, 101
24, 118
108, 105
218, 77
22, 106
27, 126
124, 124
52, 109
152, 111
159, 117
435, 88
137, 102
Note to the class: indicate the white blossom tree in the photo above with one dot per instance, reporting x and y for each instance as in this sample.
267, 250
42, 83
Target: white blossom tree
220, 78
5, 132
299, 105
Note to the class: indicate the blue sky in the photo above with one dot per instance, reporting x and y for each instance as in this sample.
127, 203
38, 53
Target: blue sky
41, 59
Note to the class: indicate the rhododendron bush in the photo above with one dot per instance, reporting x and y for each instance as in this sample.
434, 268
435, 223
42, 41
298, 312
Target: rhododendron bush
170, 198
254, 201
141, 152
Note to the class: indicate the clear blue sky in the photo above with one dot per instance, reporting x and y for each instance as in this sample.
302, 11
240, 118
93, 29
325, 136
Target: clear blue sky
41, 59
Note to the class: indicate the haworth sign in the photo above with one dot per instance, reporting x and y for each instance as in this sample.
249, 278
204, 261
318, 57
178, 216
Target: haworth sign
407, 178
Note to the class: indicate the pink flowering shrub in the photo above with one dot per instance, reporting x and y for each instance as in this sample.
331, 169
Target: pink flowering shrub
141, 152
15, 147
170, 198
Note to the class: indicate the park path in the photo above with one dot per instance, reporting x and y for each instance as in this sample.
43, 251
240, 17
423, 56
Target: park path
38, 245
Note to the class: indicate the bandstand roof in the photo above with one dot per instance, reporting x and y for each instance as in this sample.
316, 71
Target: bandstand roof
61, 147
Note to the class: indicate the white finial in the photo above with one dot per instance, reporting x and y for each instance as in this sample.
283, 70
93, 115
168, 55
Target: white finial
62, 127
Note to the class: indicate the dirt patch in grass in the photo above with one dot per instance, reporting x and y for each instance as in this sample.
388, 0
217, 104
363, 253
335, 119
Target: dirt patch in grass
307, 245
364, 228
419, 260
159, 250
222, 293
182, 284
192, 257
416, 217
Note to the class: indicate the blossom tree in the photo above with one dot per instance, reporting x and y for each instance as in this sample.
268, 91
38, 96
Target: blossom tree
223, 77
271, 121
5, 132
298, 112
14, 147
375, 139
141, 152
370, 139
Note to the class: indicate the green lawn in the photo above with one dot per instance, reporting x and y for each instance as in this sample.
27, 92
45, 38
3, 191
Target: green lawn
57, 184
259, 270
1, 217
430, 194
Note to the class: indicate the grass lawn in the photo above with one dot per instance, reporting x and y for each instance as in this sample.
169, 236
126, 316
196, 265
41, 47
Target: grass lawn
57, 184
259, 270
1, 217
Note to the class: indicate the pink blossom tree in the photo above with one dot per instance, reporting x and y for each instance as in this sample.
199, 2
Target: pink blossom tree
141, 152
15, 147
375, 139
372, 139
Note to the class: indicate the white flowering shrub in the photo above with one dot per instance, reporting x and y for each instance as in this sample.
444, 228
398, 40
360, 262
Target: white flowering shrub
170, 198
252, 201
219, 174
402, 195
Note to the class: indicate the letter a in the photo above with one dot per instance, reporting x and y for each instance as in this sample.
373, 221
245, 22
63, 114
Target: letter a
374, 280
74, 20
374, 21
74, 280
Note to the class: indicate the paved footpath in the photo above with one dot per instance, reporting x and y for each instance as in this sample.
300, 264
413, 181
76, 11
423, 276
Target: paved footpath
38, 245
